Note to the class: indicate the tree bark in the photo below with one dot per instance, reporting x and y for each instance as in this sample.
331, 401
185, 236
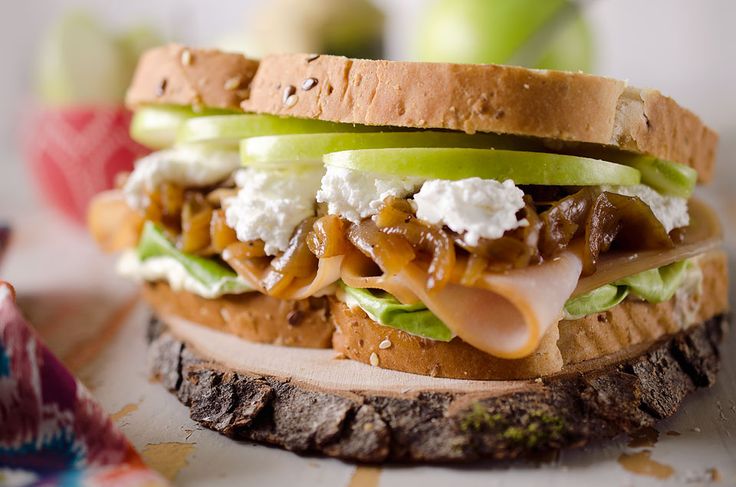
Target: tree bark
428, 426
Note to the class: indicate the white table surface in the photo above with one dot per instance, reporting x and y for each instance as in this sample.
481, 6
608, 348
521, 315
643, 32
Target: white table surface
94, 321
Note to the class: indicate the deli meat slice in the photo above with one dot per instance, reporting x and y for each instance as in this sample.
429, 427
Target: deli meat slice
507, 314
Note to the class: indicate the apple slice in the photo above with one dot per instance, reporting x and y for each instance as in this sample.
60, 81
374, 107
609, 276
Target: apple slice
230, 129
156, 126
455, 163
667, 177
280, 149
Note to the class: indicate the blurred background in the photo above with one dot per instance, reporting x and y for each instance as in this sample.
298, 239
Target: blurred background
58, 53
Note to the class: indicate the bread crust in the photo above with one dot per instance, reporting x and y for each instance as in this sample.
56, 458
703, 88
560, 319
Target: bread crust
564, 106
178, 75
630, 324
252, 316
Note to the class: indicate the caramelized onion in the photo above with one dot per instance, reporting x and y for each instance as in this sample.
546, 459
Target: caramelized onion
252, 269
196, 214
517, 248
395, 218
221, 235
297, 260
602, 219
275, 283
475, 267
247, 250
172, 199
390, 252
327, 238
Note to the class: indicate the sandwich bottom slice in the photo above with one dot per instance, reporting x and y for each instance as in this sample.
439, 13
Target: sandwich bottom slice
629, 326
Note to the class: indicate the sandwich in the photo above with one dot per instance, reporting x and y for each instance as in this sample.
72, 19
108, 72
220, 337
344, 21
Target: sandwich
493, 253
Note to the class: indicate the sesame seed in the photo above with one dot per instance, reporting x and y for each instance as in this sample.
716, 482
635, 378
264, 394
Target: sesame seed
291, 101
309, 83
186, 57
294, 317
526, 86
374, 359
386, 343
289, 90
233, 83
161, 87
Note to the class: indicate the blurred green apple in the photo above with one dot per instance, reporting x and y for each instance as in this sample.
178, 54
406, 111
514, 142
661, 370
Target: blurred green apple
134, 42
80, 62
351, 28
548, 34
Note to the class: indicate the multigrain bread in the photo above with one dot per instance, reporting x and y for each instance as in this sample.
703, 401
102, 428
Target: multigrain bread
572, 342
565, 106
252, 316
178, 75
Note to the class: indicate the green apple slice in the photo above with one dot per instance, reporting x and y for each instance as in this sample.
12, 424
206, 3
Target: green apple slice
667, 177
229, 130
454, 163
280, 149
156, 126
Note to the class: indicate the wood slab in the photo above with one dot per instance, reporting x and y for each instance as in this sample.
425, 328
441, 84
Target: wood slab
309, 402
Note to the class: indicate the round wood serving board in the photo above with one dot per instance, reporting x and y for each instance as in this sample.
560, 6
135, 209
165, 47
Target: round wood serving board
309, 401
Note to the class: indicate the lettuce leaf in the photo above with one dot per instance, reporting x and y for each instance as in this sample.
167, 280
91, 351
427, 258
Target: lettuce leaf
385, 309
210, 273
653, 286
595, 301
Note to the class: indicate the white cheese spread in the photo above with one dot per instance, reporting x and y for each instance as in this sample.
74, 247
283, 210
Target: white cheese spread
355, 195
688, 297
670, 210
187, 166
477, 208
271, 204
171, 271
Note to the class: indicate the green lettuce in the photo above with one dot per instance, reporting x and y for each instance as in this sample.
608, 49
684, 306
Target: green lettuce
382, 307
210, 273
653, 286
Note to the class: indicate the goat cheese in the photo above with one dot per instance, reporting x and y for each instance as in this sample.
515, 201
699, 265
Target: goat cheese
271, 204
355, 195
187, 166
478, 208
670, 210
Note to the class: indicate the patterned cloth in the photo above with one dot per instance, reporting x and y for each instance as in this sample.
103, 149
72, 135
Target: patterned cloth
52, 432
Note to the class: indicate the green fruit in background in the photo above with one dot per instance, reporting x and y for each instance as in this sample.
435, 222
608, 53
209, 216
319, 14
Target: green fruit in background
548, 34
134, 42
79, 62
352, 28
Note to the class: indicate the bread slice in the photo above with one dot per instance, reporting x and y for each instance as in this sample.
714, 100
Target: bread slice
564, 106
630, 324
178, 75
252, 316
